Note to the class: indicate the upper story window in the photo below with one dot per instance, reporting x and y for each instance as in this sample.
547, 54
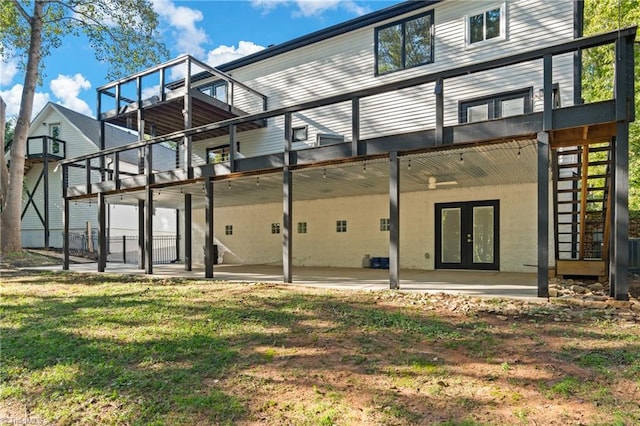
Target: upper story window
486, 25
220, 154
404, 44
497, 106
216, 90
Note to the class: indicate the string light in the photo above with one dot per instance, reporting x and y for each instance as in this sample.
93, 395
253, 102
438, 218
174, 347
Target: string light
324, 174
364, 168
518, 152
258, 181
409, 165
461, 159
229, 185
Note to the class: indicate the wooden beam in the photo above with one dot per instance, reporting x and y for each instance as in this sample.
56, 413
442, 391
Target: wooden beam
584, 135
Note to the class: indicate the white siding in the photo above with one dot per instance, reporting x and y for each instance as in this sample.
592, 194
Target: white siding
80, 212
346, 63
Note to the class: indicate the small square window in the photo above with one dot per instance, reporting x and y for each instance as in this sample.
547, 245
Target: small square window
228, 230
302, 227
341, 226
300, 133
486, 25
275, 228
385, 225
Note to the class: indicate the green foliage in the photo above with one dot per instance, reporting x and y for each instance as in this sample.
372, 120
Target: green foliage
122, 33
602, 16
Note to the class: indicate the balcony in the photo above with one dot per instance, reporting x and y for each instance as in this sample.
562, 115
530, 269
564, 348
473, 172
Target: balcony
178, 95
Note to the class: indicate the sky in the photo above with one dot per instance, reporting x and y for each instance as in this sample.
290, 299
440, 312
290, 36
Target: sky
211, 30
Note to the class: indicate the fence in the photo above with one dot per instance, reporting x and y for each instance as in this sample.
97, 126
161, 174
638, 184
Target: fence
124, 249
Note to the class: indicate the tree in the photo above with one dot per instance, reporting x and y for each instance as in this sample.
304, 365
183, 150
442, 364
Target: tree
122, 33
601, 16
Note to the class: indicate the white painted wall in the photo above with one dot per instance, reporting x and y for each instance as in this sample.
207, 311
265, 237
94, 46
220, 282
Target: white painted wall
253, 243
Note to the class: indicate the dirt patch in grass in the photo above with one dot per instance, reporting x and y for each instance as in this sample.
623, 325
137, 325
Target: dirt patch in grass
87, 349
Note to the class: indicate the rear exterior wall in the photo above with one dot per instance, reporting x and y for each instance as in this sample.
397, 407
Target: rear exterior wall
253, 243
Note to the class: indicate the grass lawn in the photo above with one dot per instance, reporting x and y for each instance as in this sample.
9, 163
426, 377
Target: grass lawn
105, 349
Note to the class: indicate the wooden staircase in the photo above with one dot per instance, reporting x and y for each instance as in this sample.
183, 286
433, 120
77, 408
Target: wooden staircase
582, 184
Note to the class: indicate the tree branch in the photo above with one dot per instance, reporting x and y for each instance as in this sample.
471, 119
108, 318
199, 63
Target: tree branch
91, 19
23, 12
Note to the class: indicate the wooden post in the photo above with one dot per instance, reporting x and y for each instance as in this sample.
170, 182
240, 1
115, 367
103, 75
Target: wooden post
394, 221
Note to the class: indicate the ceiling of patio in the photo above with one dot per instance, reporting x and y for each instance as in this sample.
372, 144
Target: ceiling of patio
511, 162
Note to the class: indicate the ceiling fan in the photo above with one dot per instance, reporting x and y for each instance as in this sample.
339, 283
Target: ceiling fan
432, 182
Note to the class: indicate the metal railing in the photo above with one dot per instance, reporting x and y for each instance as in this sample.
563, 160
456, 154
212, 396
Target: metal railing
621, 38
124, 249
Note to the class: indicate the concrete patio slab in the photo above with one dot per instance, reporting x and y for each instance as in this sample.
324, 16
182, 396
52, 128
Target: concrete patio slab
473, 283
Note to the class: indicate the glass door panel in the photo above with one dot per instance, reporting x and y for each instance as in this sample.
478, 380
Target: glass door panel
483, 234
451, 228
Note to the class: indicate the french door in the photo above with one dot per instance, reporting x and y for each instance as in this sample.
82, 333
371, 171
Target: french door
467, 235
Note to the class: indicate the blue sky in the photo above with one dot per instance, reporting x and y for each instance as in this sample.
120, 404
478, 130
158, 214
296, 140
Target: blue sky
213, 31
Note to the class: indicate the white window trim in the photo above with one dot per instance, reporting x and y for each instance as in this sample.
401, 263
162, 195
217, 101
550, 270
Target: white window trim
504, 16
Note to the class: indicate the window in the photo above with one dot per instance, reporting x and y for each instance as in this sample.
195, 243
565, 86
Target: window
217, 90
341, 226
385, 224
486, 25
275, 228
228, 230
220, 154
302, 227
499, 106
299, 134
54, 132
404, 44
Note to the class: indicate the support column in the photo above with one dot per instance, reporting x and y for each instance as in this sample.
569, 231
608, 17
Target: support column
233, 145
439, 92
102, 234
141, 239
187, 121
208, 231
187, 233
543, 214
65, 220
287, 205
177, 235
45, 170
394, 221
358, 147
148, 230
287, 226
625, 112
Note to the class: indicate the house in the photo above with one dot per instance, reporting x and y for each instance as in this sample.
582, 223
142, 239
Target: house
429, 135
57, 133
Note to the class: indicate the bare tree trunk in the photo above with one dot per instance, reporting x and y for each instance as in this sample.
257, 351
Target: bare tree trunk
4, 171
10, 216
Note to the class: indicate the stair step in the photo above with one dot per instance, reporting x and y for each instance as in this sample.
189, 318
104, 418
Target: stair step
600, 163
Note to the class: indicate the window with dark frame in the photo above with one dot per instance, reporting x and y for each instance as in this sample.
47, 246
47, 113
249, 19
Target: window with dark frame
275, 228
385, 225
228, 230
497, 106
486, 25
300, 133
404, 44
341, 226
302, 227
219, 154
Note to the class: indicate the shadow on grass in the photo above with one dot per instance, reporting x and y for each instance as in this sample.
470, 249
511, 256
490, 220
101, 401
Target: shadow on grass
157, 354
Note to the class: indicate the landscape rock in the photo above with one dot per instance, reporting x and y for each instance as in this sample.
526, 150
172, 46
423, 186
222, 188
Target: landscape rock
579, 289
596, 287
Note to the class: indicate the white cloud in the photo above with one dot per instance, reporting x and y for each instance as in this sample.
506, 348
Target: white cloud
8, 70
223, 54
67, 88
312, 7
13, 96
188, 37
